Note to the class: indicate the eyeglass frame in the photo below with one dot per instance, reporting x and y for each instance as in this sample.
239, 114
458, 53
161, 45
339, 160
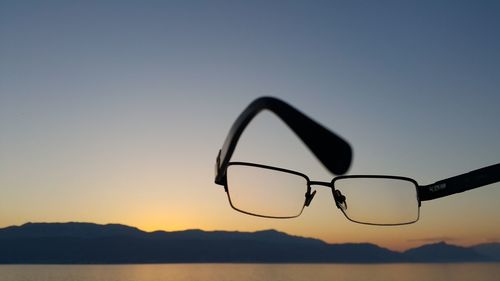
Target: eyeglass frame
310, 195
335, 153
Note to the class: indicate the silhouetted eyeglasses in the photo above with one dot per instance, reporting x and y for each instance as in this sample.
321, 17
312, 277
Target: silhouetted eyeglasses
274, 192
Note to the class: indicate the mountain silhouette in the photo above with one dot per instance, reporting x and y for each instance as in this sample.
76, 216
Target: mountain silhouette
491, 250
443, 252
87, 243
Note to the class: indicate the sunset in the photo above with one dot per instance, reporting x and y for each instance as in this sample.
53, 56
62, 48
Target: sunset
114, 111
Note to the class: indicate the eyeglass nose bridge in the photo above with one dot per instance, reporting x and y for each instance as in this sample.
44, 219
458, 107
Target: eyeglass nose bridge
321, 183
337, 195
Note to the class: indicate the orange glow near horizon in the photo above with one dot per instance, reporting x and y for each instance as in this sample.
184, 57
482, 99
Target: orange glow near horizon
319, 221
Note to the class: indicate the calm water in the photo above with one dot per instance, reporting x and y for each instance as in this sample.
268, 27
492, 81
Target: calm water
251, 272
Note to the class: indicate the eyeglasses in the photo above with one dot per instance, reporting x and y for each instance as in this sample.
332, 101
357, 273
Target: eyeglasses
274, 192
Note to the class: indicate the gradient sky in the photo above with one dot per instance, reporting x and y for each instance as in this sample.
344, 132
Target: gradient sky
114, 111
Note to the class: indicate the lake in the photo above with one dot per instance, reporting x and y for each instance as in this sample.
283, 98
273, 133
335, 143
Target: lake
252, 272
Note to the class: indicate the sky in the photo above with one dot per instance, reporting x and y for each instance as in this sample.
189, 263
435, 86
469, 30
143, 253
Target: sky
114, 111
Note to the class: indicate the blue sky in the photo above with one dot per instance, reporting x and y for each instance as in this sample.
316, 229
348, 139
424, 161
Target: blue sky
113, 111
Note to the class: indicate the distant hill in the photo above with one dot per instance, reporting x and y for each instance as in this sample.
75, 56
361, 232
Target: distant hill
82, 243
491, 250
442, 252
70, 229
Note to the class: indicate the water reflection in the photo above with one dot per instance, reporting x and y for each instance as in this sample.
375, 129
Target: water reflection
251, 272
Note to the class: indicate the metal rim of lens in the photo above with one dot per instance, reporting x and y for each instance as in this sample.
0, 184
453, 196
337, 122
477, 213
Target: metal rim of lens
308, 188
414, 182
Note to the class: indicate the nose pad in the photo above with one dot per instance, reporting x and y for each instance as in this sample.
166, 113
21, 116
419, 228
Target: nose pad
309, 198
340, 199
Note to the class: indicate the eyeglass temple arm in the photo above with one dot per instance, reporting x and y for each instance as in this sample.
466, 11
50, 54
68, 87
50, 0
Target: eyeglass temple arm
332, 151
460, 183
